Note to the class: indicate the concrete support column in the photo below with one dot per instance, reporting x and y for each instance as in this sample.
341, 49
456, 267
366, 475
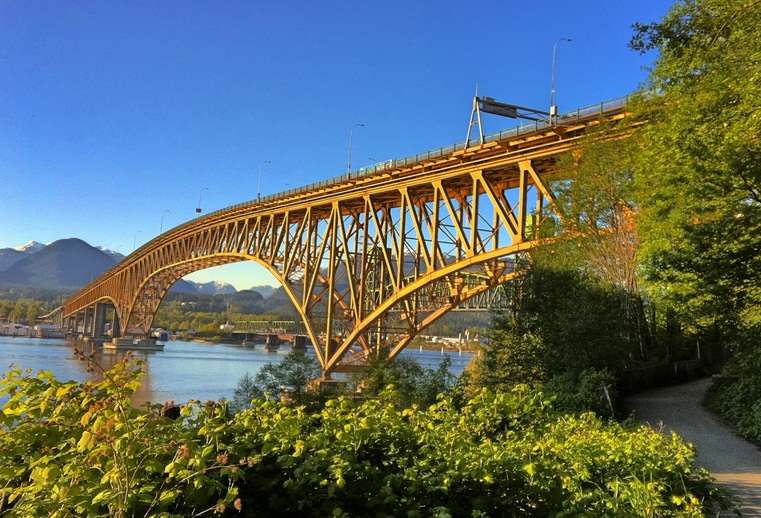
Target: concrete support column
87, 322
115, 329
299, 343
99, 321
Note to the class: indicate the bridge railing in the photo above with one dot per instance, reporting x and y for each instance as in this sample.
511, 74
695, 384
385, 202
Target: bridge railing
578, 114
521, 129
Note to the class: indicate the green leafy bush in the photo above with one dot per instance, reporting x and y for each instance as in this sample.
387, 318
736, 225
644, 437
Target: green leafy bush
291, 376
736, 396
591, 389
413, 383
81, 449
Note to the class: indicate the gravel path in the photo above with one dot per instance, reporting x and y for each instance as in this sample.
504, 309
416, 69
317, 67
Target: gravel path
732, 461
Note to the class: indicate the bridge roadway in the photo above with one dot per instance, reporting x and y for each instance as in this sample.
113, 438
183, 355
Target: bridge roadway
368, 259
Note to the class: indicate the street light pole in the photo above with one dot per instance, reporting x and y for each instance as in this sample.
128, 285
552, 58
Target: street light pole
259, 183
351, 132
553, 91
134, 241
200, 193
166, 211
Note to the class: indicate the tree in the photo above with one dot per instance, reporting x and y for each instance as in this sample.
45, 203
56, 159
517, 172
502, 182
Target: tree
5, 308
18, 311
511, 356
411, 382
33, 311
562, 320
698, 172
599, 208
292, 374
597, 201
245, 392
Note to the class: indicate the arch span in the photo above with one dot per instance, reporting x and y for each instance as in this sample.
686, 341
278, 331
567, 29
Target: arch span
361, 271
154, 288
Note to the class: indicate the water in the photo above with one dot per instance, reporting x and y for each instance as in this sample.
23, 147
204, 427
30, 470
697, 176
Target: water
182, 371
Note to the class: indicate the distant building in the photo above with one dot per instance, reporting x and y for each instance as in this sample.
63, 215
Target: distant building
48, 331
9, 329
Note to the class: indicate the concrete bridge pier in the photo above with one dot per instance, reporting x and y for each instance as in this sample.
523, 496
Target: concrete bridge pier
271, 342
116, 331
79, 323
88, 323
97, 323
300, 343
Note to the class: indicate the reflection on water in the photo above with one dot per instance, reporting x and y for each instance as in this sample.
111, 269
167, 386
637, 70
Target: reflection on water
182, 371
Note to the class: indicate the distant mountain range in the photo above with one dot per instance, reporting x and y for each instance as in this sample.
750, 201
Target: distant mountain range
8, 256
69, 264
265, 290
63, 265
212, 288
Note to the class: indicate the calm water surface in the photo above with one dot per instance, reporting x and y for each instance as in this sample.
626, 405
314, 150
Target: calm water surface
182, 371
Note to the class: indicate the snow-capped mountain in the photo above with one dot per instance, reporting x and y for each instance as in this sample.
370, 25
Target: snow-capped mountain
111, 253
10, 256
65, 264
213, 288
72, 263
30, 247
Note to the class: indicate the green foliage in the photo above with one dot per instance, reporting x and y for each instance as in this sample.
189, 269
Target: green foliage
23, 310
48, 297
81, 449
292, 374
590, 389
698, 171
412, 383
599, 188
581, 320
511, 356
245, 391
736, 396
563, 323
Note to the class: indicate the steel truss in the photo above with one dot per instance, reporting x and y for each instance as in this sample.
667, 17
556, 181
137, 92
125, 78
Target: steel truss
370, 262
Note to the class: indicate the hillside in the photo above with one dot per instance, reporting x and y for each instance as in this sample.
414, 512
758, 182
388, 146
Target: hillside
9, 257
69, 264
65, 264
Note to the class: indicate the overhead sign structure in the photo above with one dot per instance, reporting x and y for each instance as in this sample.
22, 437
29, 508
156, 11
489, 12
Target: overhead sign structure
491, 105
512, 111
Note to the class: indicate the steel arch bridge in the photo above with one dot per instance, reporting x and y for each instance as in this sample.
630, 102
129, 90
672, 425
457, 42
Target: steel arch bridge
368, 259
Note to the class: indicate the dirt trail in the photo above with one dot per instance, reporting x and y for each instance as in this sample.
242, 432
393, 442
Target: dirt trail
732, 461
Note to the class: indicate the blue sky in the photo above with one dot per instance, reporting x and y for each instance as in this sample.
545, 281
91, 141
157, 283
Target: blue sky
114, 113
